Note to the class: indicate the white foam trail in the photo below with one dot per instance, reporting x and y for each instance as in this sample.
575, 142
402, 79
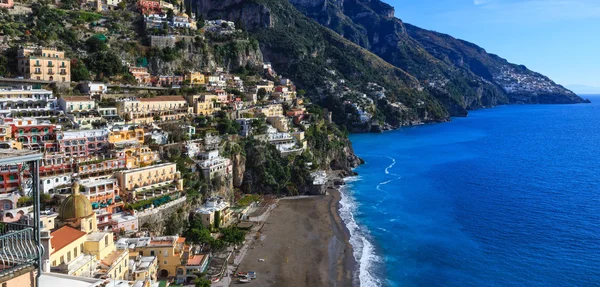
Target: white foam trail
364, 252
391, 165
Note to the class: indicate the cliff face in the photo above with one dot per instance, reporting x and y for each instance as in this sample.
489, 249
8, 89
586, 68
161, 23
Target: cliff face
460, 74
314, 57
202, 54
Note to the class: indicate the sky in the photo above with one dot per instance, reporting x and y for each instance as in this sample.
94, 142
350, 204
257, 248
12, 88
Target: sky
558, 38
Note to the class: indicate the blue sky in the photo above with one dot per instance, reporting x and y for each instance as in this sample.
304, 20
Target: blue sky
558, 38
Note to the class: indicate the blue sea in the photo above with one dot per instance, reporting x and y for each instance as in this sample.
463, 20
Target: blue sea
508, 196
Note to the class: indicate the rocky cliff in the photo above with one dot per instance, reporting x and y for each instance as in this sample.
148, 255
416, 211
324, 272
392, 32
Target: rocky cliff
460, 74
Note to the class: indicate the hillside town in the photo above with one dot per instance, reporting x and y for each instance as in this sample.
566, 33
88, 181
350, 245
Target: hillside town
113, 160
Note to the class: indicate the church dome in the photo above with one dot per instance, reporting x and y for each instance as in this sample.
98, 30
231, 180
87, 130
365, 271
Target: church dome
75, 206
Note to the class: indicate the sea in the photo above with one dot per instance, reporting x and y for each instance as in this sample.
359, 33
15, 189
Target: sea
508, 196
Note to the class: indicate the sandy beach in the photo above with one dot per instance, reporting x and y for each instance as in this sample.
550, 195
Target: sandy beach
303, 243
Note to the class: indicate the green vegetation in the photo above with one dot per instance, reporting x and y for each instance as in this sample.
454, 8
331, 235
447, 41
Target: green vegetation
247, 200
146, 203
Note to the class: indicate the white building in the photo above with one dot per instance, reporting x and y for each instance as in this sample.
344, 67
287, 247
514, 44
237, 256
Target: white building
92, 88
25, 98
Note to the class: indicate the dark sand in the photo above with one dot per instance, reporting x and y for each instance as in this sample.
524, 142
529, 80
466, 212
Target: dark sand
304, 243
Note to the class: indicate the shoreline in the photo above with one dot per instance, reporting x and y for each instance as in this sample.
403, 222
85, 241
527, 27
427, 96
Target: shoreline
303, 241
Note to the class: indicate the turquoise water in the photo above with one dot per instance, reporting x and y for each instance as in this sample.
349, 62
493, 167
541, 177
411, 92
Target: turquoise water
508, 196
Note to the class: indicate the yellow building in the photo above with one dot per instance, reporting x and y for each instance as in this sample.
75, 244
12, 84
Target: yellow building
148, 110
145, 179
271, 110
125, 136
279, 122
44, 64
140, 157
168, 250
143, 267
77, 247
195, 78
202, 104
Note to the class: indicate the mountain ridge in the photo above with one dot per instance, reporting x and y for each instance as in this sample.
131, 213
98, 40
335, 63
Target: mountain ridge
338, 49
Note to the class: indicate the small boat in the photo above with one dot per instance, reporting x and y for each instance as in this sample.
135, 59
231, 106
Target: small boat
244, 280
251, 275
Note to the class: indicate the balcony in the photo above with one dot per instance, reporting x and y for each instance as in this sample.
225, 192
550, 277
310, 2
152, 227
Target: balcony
63, 73
19, 250
37, 72
37, 65
50, 65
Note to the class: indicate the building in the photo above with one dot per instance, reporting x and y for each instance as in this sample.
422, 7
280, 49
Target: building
202, 104
143, 267
272, 110
33, 133
77, 247
195, 78
26, 99
169, 251
140, 156
7, 4
10, 211
168, 81
212, 164
182, 20
83, 143
125, 223
141, 180
141, 74
148, 110
215, 213
76, 104
245, 126
149, 6
103, 193
120, 136
279, 122
44, 64
93, 89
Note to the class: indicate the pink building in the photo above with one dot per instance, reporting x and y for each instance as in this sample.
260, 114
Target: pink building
141, 75
8, 4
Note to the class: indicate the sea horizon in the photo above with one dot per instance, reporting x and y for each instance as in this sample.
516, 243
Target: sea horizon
463, 204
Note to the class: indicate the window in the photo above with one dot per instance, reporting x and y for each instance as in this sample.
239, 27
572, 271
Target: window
54, 263
48, 181
106, 240
90, 225
165, 262
6, 206
81, 247
62, 259
151, 252
75, 252
56, 180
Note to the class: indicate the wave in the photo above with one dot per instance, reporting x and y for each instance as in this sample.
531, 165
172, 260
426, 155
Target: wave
364, 251
387, 169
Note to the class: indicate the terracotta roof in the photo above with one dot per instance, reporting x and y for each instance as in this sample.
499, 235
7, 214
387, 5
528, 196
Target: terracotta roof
110, 259
195, 261
65, 236
181, 240
77, 99
163, 99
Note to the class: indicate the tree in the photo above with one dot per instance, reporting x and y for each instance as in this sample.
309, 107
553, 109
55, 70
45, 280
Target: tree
95, 44
261, 93
200, 22
122, 5
170, 14
202, 282
173, 224
79, 71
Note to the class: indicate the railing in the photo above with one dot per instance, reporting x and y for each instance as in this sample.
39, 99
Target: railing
18, 248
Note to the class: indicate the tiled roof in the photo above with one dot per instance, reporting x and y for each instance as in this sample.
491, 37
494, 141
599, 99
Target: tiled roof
65, 236
195, 261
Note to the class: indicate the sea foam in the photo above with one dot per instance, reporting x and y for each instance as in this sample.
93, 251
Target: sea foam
364, 251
